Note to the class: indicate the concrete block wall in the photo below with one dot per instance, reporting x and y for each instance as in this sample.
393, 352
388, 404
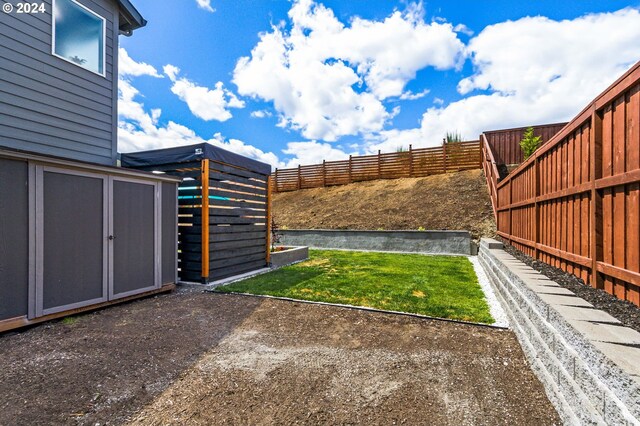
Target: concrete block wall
435, 242
586, 360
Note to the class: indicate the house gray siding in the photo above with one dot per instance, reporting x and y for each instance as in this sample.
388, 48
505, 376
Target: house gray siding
48, 105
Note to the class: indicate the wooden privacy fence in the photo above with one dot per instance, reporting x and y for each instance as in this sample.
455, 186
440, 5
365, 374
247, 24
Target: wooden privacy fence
491, 173
505, 143
420, 162
502, 147
575, 204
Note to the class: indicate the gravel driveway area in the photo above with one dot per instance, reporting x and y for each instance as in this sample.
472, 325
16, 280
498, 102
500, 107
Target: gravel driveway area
200, 358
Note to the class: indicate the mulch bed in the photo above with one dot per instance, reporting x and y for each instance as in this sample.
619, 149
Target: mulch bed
199, 358
625, 312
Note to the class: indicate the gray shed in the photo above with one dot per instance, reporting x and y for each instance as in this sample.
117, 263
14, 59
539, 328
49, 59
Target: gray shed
76, 236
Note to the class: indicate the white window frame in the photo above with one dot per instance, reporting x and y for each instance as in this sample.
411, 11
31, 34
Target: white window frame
104, 38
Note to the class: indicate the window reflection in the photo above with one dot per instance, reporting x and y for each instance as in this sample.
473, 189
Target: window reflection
79, 35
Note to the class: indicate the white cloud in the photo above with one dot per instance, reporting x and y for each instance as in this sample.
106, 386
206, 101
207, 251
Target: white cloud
462, 28
410, 96
328, 80
206, 5
129, 67
207, 104
535, 70
261, 113
139, 130
537, 54
312, 152
171, 71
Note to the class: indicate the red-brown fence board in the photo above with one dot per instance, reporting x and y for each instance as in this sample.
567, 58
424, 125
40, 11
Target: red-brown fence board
575, 203
421, 162
506, 143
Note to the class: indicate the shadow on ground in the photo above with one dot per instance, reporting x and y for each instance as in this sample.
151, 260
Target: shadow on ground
106, 365
295, 363
203, 358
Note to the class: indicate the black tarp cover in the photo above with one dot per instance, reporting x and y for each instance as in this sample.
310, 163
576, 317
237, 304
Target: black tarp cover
198, 152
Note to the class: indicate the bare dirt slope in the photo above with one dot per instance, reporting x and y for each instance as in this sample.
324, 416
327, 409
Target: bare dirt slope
455, 201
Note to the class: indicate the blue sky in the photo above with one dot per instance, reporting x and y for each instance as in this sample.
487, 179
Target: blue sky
297, 82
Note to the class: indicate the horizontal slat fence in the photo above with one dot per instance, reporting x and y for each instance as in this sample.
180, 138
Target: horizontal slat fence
575, 204
223, 225
505, 143
420, 162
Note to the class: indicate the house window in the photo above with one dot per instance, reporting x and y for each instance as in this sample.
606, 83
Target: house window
78, 35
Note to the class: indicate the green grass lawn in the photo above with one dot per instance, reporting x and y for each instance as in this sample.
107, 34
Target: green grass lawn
439, 286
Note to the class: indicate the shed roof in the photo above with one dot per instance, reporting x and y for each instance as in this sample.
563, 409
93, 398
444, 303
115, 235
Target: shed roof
130, 18
184, 154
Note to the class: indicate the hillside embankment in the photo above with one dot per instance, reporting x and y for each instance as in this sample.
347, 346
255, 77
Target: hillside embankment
454, 201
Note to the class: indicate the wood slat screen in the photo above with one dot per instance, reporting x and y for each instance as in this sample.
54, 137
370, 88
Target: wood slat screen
575, 204
229, 234
412, 163
237, 221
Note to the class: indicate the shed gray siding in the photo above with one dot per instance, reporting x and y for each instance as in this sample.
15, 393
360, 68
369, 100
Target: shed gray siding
14, 237
51, 106
169, 232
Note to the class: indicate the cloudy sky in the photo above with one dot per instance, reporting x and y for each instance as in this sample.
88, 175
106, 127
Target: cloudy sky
296, 82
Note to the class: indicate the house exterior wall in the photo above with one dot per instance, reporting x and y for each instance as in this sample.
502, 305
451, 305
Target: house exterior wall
48, 105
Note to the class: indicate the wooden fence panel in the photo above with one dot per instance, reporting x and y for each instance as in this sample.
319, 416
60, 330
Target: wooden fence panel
246, 252
412, 163
575, 204
506, 143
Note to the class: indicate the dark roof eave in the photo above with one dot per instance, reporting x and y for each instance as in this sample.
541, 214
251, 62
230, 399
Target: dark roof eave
132, 18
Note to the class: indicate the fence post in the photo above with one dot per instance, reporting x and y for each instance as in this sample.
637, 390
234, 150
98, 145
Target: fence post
350, 170
268, 219
536, 211
204, 216
596, 199
510, 215
299, 177
444, 155
410, 160
379, 174
324, 173
275, 180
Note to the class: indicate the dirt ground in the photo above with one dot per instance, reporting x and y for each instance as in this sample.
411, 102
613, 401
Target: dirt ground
455, 201
199, 358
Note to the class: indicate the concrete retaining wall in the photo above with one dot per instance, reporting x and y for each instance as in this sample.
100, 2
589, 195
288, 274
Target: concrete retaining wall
586, 360
287, 257
443, 242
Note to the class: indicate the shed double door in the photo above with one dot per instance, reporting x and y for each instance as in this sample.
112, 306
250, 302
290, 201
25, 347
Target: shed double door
98, 240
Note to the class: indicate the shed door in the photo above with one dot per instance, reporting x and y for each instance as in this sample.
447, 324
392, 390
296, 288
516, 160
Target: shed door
133, 239
72, 249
